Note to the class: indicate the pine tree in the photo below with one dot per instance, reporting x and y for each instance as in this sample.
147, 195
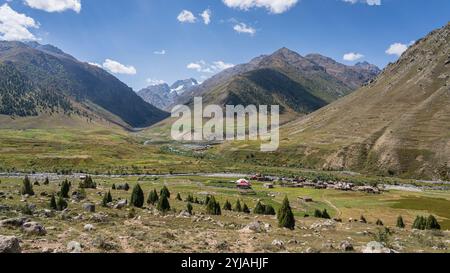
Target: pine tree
137, 197
400, 223
259, 208
317, 214
65, 188
152, 198
27, 188
189, 208
245, 209
213, 207
126, 187
269, 210
163, 204
379, 223
179, 197
190, 198
88, 183
46, 182
113, 186
285, 216
325, 214
53, 203
107, 198
432, 223
227, 206
165, 191
420, 223
61, 204
207, 199
237, 207
363, 219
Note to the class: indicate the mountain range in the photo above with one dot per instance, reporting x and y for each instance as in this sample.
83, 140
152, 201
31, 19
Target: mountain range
41, 79
163, 95
298, 84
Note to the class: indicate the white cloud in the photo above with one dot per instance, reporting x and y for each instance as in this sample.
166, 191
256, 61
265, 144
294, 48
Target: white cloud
95, 64
55, 5
368, 2
243, 28
186, 17
206, 16
153, 82
15, 26
118, 68
204, 67
397, 49
351, 57
160, 52
274, 6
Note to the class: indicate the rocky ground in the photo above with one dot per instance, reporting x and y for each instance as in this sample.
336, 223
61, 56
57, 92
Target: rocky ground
28, 225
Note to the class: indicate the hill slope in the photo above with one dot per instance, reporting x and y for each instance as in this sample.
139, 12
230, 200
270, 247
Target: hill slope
398, 125
46, 79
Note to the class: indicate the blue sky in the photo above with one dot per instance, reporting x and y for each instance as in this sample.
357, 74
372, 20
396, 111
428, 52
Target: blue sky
132, 32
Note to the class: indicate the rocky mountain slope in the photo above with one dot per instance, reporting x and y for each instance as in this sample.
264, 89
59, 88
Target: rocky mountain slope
397, 125
39, 79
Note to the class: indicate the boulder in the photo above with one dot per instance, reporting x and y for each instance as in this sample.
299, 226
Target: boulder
278, 243
74, 247
121, 204
346, 246
89, 207
376, 247
13, 222
9, 244
89, 227
184, 214
34, 228
254, 227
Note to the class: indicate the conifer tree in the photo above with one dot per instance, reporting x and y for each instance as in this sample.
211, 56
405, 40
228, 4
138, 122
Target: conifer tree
153, 198
259, 208
65, 188
189, 208
379, 223
107, 198
163, 204
317, 214
61, 204
179, 197
269, 210
113, 186
27, 188
238, 207
400, 223
137, 197
285, 216
46, 182
325, 214
213, 207
420, 223
245, 209
432, 223
165, 191
53, 203
227, 206
363, 219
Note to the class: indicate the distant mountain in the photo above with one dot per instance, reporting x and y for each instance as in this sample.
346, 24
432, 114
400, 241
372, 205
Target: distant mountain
40, 79
296, 83
399, 124
162, 95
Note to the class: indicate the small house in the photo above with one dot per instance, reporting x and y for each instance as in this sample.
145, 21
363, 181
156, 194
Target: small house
243, 184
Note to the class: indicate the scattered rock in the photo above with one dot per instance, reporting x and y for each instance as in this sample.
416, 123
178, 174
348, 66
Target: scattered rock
346, 246
328, 224
184, 214
278, 243
9, 244
89, 207
99, 217
74, 247
34, 228
254, 227
121, 204
89, 227
376, 247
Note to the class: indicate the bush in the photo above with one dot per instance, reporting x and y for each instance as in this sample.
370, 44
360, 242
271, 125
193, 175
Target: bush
189, 208
165, 191
153, 198
269, 210
137, 197
400, 223
27, 188
420, 223
46, 182
88, 183
285, 216
379, 223
363, 219
65, 188
61, 204
163, 204
213, 207
227, 206
238, 207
